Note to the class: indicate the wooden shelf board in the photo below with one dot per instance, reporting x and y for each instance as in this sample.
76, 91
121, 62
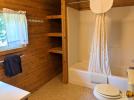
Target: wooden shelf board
57, 50
54, 34
53, 17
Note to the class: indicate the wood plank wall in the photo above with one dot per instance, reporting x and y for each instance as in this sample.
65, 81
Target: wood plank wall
38, 65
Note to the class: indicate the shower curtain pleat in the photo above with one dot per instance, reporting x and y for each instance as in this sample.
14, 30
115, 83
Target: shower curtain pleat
99, 61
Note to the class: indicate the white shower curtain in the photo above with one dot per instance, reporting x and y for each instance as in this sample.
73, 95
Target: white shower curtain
99, 60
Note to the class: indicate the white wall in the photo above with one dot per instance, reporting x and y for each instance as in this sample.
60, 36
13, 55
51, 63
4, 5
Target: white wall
86, 32
73, 17
121, 37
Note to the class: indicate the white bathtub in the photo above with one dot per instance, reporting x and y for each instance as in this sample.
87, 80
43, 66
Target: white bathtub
79, 75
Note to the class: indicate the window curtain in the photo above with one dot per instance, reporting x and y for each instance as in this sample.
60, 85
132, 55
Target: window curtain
16, 31
3, 36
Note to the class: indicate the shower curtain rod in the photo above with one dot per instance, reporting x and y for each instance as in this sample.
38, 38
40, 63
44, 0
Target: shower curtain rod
77, 2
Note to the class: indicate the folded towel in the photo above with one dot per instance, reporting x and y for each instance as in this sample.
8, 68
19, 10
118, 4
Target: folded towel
12, 65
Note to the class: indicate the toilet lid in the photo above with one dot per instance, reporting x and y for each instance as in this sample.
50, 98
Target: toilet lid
108, 97
107, 90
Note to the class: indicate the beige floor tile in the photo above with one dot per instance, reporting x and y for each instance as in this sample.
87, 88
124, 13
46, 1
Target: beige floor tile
56, 90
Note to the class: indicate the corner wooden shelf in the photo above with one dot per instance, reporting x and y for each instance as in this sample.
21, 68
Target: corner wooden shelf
57, 50
59, 20
54, 34
53, 17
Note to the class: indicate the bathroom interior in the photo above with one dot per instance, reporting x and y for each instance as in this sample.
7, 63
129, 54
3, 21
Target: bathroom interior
66, 50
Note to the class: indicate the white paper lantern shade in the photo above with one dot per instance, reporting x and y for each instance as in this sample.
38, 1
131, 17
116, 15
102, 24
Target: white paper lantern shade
100, 6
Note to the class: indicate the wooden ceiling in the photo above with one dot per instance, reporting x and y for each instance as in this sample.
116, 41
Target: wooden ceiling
84, 5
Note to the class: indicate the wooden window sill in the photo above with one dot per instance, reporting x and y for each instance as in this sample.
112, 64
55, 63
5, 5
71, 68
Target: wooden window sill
2, 53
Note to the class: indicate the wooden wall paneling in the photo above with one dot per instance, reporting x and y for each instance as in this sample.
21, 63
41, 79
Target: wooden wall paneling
56, 42
55, 25
121, 3
38, 65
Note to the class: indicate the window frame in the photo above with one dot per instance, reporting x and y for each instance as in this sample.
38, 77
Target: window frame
12, 51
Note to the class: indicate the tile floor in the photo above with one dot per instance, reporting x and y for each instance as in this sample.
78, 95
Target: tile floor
56, 90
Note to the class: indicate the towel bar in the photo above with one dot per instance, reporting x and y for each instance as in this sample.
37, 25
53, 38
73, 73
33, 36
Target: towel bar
3, 60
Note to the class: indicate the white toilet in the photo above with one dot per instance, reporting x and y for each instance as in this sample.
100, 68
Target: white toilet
108, 92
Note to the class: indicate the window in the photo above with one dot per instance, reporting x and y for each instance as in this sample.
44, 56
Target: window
13, 31
3, 38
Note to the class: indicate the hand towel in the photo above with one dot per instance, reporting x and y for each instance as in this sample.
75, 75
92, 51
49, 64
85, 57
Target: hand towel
12, 65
